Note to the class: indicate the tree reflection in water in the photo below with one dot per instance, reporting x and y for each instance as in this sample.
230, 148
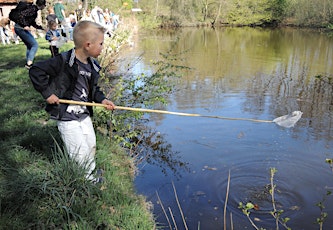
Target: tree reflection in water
151, 148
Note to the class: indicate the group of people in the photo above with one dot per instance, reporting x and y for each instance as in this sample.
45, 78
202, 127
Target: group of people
66, 24
103, 17
72, 75
60, 25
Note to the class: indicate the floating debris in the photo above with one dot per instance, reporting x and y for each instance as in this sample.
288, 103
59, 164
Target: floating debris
210, 168
257, 219
199, 193
295, 208
240, 135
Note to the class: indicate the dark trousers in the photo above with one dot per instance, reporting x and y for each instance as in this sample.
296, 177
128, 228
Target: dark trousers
54, 51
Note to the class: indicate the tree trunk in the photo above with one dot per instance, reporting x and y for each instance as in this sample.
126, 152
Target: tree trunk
218, 13
205, 10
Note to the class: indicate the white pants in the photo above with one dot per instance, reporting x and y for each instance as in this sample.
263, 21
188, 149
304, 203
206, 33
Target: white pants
80, 141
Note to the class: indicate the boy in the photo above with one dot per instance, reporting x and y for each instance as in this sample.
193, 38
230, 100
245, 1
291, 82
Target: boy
53, 36
74, 75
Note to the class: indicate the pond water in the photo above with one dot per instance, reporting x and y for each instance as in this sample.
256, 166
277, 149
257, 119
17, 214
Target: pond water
241, 73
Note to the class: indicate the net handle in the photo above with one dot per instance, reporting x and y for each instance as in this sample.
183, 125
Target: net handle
293, 118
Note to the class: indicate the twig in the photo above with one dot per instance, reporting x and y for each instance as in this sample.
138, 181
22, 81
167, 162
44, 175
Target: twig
165, 214
180, 208
173, 219
225, 204
252, 223
275, 214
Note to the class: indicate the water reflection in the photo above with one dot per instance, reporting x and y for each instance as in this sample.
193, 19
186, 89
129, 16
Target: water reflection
250, 73
154, 150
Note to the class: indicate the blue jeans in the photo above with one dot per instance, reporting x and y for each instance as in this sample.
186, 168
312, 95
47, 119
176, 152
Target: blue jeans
29, 41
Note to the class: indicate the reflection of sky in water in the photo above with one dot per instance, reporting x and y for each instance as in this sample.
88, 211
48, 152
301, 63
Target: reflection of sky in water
140, 68
212, 147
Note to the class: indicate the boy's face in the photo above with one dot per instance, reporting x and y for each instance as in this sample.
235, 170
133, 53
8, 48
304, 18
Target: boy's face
95, 46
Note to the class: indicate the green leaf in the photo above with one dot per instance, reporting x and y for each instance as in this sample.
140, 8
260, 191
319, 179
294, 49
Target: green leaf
249, 205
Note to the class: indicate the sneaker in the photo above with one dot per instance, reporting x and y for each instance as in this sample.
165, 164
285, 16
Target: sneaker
99, 176
28, 66
99, 172
99, 180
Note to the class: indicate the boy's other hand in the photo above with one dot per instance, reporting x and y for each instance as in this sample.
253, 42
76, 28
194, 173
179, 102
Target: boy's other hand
109, 104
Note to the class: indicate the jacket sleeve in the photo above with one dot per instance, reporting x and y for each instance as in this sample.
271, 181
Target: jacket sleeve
43, 73
33, 19
48, 35
98, 95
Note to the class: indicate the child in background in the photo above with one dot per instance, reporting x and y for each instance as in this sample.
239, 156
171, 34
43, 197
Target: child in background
53, 36
74, 75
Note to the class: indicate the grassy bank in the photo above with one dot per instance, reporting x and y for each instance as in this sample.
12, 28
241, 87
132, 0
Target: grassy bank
40, 188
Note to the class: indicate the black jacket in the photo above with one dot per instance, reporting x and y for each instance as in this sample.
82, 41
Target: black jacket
27, 14
58, 76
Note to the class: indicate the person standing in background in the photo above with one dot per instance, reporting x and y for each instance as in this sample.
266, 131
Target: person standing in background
94, 14
51, 16
79, 12
26, 14
87, 16
59, 10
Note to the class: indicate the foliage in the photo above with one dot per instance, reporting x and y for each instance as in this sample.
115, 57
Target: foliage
310, 12
321, 204
217, 12
112, 46
247, 12
149, 90
277, 214
139, 91
323, 215
315, 13
278, 8
54, 193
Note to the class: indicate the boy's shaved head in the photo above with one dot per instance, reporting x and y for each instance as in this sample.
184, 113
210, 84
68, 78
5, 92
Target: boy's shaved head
86, 31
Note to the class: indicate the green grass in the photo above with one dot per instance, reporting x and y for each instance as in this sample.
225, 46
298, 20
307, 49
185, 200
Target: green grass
40, 187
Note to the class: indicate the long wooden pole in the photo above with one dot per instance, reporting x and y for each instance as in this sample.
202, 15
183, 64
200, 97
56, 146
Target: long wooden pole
64, 101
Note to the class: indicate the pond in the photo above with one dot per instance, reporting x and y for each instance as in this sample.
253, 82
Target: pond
241, 73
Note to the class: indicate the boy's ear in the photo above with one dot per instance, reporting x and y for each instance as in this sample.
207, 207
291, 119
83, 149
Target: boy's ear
86, 45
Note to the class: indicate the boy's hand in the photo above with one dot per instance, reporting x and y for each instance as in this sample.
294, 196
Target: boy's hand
109, 104
53, 99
